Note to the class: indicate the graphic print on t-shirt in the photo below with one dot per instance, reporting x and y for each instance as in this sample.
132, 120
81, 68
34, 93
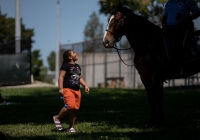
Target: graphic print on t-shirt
75, 75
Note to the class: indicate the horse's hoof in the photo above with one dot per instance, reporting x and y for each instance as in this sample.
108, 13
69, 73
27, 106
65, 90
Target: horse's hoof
149, 125
152, 125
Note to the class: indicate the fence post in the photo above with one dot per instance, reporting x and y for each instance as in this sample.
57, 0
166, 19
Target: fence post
105, 68
134, 78
83, 62
120, 68
93, 65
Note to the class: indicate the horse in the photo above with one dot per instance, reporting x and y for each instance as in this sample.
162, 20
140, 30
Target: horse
151, 58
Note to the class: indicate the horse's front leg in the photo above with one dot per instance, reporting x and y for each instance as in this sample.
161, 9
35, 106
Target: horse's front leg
158, 86
155, 95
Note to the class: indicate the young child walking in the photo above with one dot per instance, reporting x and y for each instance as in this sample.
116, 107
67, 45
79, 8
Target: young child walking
69, 87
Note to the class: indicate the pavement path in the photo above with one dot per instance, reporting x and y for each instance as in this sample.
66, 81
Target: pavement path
34, 84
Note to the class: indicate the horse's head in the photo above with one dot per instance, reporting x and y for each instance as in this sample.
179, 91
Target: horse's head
115, 29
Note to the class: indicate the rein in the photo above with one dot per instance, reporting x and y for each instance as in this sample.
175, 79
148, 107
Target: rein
115, 47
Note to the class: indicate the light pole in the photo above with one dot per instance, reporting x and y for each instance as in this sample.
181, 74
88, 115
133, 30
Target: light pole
17, 27
57, 42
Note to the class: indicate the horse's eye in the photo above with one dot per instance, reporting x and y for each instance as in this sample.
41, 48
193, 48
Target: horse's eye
116, 21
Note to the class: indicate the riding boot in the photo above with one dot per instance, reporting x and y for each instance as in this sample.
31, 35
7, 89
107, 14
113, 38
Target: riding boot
180, 64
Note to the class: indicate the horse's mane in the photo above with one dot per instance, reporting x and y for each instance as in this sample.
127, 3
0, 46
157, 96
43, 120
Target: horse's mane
123, 10
140, 19
139, 26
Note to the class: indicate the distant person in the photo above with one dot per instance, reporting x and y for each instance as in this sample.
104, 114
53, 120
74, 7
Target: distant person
69, 87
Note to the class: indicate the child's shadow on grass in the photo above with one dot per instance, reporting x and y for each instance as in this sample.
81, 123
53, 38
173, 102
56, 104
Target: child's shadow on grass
60, 131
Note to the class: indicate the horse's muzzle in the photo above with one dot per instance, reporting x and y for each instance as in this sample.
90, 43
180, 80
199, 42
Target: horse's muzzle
107, 44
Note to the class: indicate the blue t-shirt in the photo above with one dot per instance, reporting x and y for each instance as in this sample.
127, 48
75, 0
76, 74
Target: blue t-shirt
183, 8
72, 76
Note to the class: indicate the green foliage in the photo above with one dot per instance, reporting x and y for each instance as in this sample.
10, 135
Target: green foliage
7, 35
155, 10
7, 44
151, 9
7, 28
136, 5
38, 70
51, 61
146, 8
104, 114
93, 28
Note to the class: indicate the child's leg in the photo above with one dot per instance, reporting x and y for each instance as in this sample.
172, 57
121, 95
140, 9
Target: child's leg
72, 119
58, 117
62, 113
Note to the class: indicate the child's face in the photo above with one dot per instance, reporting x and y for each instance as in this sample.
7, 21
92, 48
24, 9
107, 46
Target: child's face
73, 56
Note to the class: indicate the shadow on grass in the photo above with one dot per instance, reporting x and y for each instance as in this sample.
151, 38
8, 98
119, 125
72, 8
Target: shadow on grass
153, 135
121, 108
116, 107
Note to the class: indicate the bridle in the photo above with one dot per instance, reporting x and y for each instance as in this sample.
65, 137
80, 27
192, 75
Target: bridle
115, 33
117, 40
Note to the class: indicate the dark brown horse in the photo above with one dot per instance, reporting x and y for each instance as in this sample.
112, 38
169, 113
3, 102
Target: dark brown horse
150, 59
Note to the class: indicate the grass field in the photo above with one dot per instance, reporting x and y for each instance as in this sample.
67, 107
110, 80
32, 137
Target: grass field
105, 114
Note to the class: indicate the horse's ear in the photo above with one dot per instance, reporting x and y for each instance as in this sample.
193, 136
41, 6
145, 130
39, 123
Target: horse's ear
120, 4
113, 5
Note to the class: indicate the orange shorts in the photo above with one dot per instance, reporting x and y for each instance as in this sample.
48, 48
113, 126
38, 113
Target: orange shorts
72, 98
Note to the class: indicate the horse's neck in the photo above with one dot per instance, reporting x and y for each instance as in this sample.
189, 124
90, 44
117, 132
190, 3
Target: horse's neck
141, 39
136, 42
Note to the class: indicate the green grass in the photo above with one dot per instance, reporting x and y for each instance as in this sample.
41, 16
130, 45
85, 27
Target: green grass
105, 114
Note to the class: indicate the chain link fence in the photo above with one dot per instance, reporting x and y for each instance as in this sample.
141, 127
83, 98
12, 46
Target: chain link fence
103, 67
15, 67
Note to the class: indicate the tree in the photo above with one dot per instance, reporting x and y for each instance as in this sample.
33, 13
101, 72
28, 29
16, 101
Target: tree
138, 6
155, 10
51, 61
93, 29
151, 9
38, 70
7, 35
7, 44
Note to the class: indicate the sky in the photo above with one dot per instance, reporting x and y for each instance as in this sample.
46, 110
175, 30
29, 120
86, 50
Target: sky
40, 15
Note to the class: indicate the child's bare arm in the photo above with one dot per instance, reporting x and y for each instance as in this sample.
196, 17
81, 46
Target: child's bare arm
60, 81
83, 83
